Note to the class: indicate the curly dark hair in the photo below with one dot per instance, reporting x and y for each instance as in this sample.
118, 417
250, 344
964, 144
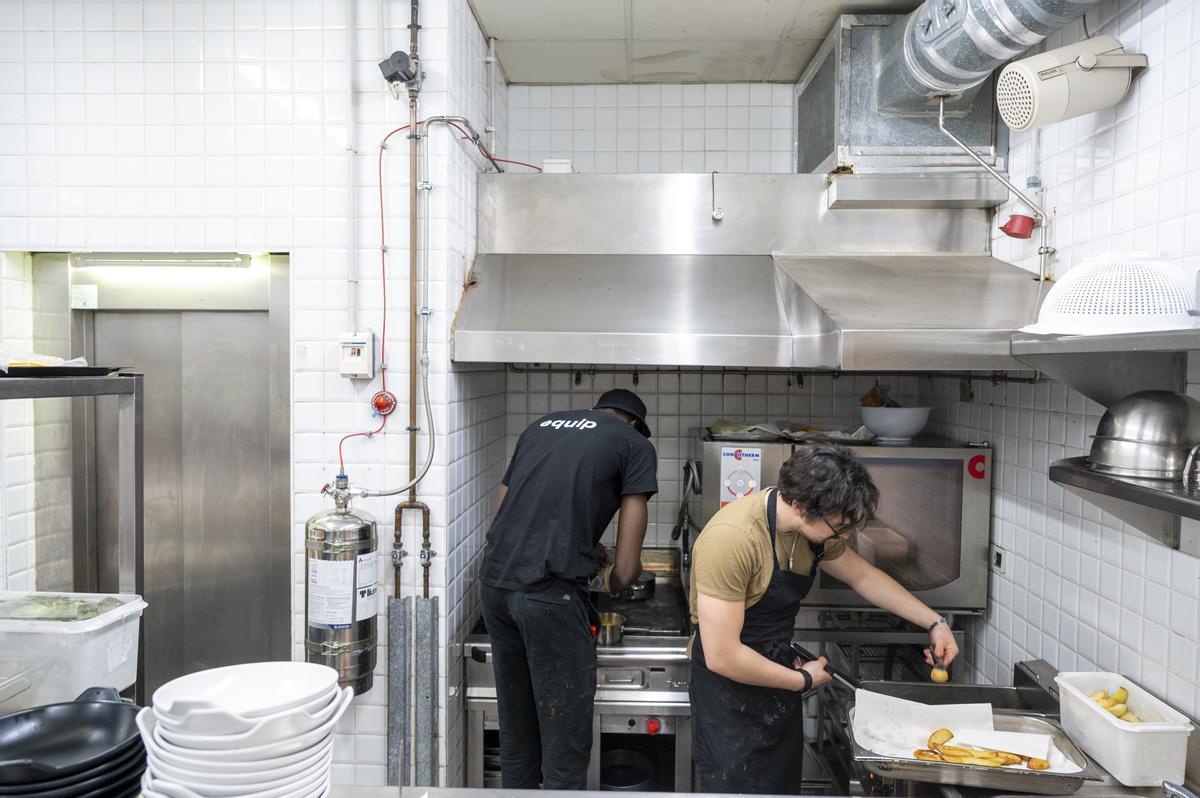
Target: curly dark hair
829, 480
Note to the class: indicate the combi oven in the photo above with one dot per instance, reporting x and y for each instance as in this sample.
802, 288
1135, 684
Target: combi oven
931, 531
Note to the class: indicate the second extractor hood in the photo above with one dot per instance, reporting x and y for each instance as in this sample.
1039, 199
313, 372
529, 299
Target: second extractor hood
871, 312
919, 312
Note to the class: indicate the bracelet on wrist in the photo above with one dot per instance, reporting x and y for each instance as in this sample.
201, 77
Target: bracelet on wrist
807, 680
940, 619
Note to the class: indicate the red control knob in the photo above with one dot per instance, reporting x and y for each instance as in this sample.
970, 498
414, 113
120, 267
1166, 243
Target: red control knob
384, 402
653, 726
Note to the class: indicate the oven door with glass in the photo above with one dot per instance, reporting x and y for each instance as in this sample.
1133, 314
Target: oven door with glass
931, 530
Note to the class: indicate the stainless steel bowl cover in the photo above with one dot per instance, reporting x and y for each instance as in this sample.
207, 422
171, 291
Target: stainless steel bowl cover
1162, 417
1146, 435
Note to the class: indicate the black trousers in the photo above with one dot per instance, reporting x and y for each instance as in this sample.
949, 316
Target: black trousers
544, 658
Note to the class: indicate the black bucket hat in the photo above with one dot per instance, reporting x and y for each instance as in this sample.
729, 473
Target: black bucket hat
628, 402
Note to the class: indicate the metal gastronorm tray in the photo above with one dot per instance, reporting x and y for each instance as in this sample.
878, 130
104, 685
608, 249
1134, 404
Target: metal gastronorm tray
1019, 779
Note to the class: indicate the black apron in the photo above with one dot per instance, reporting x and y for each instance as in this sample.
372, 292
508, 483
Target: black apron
750, 739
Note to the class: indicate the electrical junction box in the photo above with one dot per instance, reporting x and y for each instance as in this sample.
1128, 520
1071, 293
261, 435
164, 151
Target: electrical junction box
356, 355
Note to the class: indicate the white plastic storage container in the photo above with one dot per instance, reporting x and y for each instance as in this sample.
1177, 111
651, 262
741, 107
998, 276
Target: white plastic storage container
53, 646
1136, 754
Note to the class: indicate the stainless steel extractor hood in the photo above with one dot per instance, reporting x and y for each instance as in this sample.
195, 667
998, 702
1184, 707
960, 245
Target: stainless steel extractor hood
922, 312
873, 312
677, 310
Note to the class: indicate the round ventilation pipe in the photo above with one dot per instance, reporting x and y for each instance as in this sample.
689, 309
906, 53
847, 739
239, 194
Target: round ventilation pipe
950, 47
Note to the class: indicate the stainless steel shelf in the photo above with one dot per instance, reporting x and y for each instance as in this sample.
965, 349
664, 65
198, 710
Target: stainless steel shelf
1171, 496
50, 387
130, 544
968, 189
1163, 341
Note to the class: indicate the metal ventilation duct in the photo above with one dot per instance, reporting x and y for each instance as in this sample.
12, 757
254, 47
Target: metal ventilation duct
949, 47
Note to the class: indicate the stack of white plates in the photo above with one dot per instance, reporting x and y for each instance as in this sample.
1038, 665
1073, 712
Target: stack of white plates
260, 730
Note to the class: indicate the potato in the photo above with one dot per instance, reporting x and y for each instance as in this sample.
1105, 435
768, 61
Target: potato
928, 756
1129, 717
1105, 703
1099, 695
958, 760
1038, 764
985, 761
1120, 695
1118, 709
939, 675
940, 737
951, 750
1009, 759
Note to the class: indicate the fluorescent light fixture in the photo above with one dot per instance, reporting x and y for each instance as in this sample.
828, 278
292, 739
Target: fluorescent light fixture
88, 260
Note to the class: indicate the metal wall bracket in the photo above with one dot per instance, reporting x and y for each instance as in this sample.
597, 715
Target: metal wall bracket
1107, 368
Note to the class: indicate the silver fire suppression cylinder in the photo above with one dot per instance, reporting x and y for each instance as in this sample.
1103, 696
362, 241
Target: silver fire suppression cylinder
340, 590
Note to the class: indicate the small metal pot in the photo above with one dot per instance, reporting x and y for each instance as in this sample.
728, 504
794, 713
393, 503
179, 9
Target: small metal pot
612, 627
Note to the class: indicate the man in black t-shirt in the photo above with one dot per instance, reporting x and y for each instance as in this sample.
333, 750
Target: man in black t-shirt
570, 473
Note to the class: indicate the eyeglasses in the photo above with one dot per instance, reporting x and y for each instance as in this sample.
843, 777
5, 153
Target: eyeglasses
845, 530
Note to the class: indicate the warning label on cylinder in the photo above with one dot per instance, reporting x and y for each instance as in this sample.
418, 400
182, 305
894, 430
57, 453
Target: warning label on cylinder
330, 592
341, 592
367, 586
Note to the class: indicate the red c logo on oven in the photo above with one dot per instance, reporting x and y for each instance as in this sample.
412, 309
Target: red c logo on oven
975, 466
737, 454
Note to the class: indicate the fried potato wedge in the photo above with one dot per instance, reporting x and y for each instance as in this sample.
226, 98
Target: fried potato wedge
927, 755
953, 750
940, 737
1038, 764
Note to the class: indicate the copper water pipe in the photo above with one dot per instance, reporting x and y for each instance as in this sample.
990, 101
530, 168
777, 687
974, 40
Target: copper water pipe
414, 141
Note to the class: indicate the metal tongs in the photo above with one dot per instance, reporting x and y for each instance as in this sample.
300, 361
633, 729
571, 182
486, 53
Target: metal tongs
836, 673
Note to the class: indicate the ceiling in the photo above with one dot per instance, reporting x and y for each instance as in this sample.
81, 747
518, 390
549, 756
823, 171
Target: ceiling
662, 41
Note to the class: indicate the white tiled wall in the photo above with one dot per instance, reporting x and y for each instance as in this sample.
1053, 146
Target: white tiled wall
724, 127
1080, 590
17, 546
218, 125
1126, 178
680, 403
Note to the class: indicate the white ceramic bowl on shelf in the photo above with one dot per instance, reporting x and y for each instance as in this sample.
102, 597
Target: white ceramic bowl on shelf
152, 735
285, 725
209, 787
895, 424
224, 774
220, 721
252, 690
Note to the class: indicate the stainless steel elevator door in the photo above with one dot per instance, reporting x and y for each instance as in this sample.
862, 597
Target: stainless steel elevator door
209, 576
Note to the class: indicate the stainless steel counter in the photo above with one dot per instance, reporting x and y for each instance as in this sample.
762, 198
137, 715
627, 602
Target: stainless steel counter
1100, 790
432, 792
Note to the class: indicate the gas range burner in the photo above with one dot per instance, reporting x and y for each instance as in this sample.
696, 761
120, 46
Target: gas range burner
664, 614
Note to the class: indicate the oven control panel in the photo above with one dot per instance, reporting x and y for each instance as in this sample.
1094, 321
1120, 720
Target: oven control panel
637, 724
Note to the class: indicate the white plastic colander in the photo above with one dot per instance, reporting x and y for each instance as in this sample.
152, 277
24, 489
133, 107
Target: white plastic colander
1118, 292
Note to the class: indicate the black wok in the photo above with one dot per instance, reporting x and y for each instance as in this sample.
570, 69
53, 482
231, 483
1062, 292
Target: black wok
59, 740
113, 771
113, 781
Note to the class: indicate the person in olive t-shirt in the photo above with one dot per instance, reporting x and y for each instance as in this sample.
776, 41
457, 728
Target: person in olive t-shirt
752, 565
570, 472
